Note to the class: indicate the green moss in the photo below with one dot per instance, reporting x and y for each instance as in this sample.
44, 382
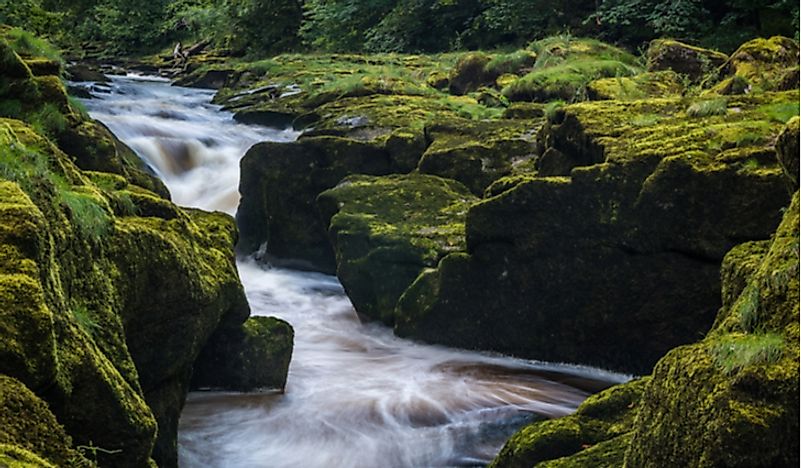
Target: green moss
386, 230
26, 44
762, 62
644, 85
597, 434
30, 434
567, 80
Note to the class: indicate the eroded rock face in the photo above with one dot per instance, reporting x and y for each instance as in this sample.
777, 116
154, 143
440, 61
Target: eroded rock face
279, 185
386, 230
108, 291
655, 211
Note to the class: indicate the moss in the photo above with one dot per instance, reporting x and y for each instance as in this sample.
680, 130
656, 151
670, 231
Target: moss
567, 81
255, 355
386, 230
732, 398
694, 62
29, 426
13, 456
658, 84
762, 62
597, 434
787, 150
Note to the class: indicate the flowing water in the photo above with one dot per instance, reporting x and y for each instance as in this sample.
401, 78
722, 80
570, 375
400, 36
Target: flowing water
356, 395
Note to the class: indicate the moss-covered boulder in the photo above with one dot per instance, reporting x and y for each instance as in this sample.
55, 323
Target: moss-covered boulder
732, 399
596, 435
694, 62
661, 84
478, 153
565, 66
470, 73
254, 355
728, 400
28, 425
762, 64
386, 230
649, 213
279, 185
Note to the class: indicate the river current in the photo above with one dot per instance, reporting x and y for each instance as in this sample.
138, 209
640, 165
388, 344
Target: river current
356, 395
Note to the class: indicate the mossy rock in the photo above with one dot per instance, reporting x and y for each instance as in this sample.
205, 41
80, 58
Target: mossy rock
565, 81
648, 211
596, 435
470, 73
762, 63
279, 185
694, 62
254, 355
43, 66
386, 230
87, 323
478, 153
732, 399
29, 425
659, 84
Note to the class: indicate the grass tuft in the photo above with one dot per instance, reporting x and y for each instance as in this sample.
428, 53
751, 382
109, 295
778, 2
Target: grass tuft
735, 352
708, 108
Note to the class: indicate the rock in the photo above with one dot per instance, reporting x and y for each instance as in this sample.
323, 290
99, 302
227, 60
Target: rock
28, 425
787, 150
597, 434
763, 63
386, 230
659, 84
728, 400
650, 213
694, 62
42, 66
477, 153
469, 74
253, 355
86, 72
86, 324
279, 184
209, 78
438, 80
731, 399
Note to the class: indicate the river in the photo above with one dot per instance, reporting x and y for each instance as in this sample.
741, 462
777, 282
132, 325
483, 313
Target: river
356, 395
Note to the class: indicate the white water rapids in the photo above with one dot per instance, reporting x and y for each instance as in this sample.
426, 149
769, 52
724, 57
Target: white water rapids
356, 395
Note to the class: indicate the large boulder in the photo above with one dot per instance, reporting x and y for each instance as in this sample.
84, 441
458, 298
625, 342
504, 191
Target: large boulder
649, 213
386, 230
763, 64
728, 400
279, 185
694, 62
478, 153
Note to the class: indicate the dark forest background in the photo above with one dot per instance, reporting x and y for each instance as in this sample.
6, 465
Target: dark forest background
258, 27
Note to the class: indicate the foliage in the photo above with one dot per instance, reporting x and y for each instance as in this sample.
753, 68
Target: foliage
89, 217
735, 351
84, 319
29, 15
708, 107
25, 43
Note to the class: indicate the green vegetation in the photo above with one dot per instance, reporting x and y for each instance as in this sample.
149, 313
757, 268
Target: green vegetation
85, 320
736, 351
707, 108
87, 214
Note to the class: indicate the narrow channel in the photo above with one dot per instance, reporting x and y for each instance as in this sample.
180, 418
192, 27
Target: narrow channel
356, 396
